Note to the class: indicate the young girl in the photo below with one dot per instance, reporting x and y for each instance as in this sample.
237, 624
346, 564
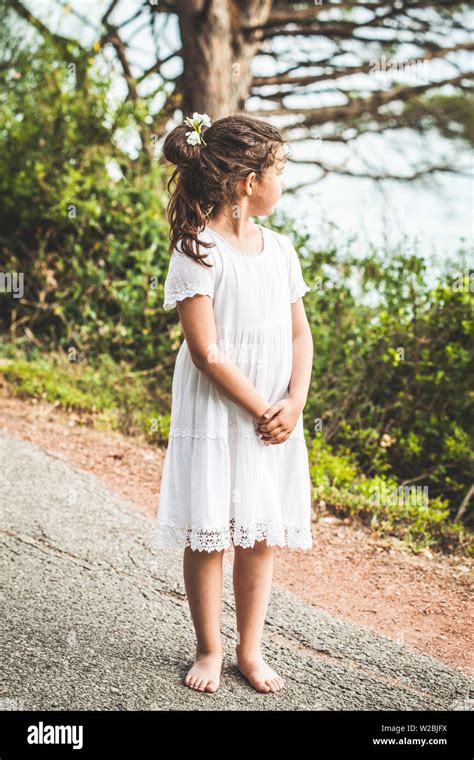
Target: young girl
236, 468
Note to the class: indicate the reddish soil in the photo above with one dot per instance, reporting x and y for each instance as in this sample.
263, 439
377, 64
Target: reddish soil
424, 601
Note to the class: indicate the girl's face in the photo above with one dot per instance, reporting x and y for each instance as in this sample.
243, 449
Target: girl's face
267, 192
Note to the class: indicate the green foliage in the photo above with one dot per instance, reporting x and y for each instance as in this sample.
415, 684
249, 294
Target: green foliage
380, 503
392, 367
106, 394
79, 218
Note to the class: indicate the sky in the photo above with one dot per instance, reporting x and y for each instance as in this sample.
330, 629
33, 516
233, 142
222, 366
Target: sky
437, 218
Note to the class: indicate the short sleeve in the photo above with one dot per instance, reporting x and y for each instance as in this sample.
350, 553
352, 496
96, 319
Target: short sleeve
186, 277
297, 285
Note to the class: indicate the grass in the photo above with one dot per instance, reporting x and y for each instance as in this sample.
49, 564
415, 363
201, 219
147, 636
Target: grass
111, 394
381, 504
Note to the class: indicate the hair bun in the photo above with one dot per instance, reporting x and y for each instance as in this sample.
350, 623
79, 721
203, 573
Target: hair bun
177, 150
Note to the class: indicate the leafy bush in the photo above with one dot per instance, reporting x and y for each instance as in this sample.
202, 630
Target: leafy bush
392, 367
106, 394
380, 503
82, 221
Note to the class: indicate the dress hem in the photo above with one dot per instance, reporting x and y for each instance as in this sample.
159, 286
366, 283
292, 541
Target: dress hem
168, 536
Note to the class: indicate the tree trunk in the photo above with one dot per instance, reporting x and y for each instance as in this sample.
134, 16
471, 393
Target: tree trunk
217, 54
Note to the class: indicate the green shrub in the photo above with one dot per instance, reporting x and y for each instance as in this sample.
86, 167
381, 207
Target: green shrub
109, 395
382, 504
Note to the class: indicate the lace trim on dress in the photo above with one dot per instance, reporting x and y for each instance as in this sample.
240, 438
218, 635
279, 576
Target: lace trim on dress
298, 291
200, 539
193, 289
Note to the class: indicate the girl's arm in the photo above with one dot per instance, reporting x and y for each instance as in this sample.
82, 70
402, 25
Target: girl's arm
302, 353
196, 315
285, 413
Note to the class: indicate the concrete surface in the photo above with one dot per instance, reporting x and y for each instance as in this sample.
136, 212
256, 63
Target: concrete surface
95, 618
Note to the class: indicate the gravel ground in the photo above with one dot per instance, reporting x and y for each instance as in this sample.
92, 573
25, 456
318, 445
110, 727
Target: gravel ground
95, 618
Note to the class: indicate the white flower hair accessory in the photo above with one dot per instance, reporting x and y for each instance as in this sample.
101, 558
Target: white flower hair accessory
198, 121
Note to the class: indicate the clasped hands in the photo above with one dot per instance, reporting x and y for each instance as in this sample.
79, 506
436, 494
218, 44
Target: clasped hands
277, 423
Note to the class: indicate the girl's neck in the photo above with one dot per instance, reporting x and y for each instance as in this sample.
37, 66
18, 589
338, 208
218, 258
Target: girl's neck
240, 226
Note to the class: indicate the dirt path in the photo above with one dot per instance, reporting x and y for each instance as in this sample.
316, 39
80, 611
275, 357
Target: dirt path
424, 602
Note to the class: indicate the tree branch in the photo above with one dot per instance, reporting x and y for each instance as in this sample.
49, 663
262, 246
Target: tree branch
62, 43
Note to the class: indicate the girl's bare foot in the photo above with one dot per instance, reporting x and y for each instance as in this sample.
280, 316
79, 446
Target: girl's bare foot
260, 675
205, 673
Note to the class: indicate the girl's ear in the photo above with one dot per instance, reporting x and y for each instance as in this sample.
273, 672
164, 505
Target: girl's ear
249, 182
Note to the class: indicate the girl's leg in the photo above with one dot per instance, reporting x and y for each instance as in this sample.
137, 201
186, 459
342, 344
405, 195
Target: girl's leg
252, 575
203, 583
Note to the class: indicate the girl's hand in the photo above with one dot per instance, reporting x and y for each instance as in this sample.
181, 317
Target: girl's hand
284, 416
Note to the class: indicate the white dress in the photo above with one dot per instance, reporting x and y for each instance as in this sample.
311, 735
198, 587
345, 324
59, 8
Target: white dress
220, 484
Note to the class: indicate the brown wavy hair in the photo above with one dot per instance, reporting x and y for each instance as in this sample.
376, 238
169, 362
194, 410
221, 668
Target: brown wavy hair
205, 177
